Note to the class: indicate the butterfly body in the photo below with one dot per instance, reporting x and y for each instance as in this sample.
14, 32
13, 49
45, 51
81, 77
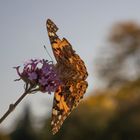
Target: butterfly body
72, 72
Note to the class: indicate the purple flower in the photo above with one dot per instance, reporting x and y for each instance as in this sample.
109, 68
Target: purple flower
32, 75
43, 81
40, 74
49, 88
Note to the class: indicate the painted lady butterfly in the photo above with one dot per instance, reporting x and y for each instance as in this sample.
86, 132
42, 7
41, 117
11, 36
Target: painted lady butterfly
72, 73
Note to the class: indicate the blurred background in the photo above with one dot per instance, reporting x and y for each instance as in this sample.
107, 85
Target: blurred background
106, 34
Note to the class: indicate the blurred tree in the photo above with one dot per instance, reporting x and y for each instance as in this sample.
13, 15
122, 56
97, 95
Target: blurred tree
120, 61
24, 129
4, 136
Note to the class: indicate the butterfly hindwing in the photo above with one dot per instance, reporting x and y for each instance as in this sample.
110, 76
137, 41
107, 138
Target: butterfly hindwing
66, 98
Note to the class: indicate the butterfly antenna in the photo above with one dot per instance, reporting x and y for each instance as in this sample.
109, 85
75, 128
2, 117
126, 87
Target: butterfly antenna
48, 53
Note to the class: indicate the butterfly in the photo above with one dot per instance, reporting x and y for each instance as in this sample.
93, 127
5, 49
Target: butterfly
73, 74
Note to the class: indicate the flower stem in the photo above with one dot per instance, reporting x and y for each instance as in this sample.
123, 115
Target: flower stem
13, 106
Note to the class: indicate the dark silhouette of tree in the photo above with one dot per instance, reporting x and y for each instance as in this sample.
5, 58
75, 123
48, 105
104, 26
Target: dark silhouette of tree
24, 129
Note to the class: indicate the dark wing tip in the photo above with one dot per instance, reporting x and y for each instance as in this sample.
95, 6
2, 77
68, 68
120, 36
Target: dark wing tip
51, 25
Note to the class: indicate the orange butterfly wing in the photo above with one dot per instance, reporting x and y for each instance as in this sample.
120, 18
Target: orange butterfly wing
72, 73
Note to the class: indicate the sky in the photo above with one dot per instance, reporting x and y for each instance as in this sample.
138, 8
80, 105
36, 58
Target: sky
85, 23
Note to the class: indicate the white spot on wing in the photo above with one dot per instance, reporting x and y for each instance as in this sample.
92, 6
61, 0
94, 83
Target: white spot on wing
54, 112
59, 117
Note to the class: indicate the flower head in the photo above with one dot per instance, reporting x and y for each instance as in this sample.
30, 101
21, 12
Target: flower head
40, 74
